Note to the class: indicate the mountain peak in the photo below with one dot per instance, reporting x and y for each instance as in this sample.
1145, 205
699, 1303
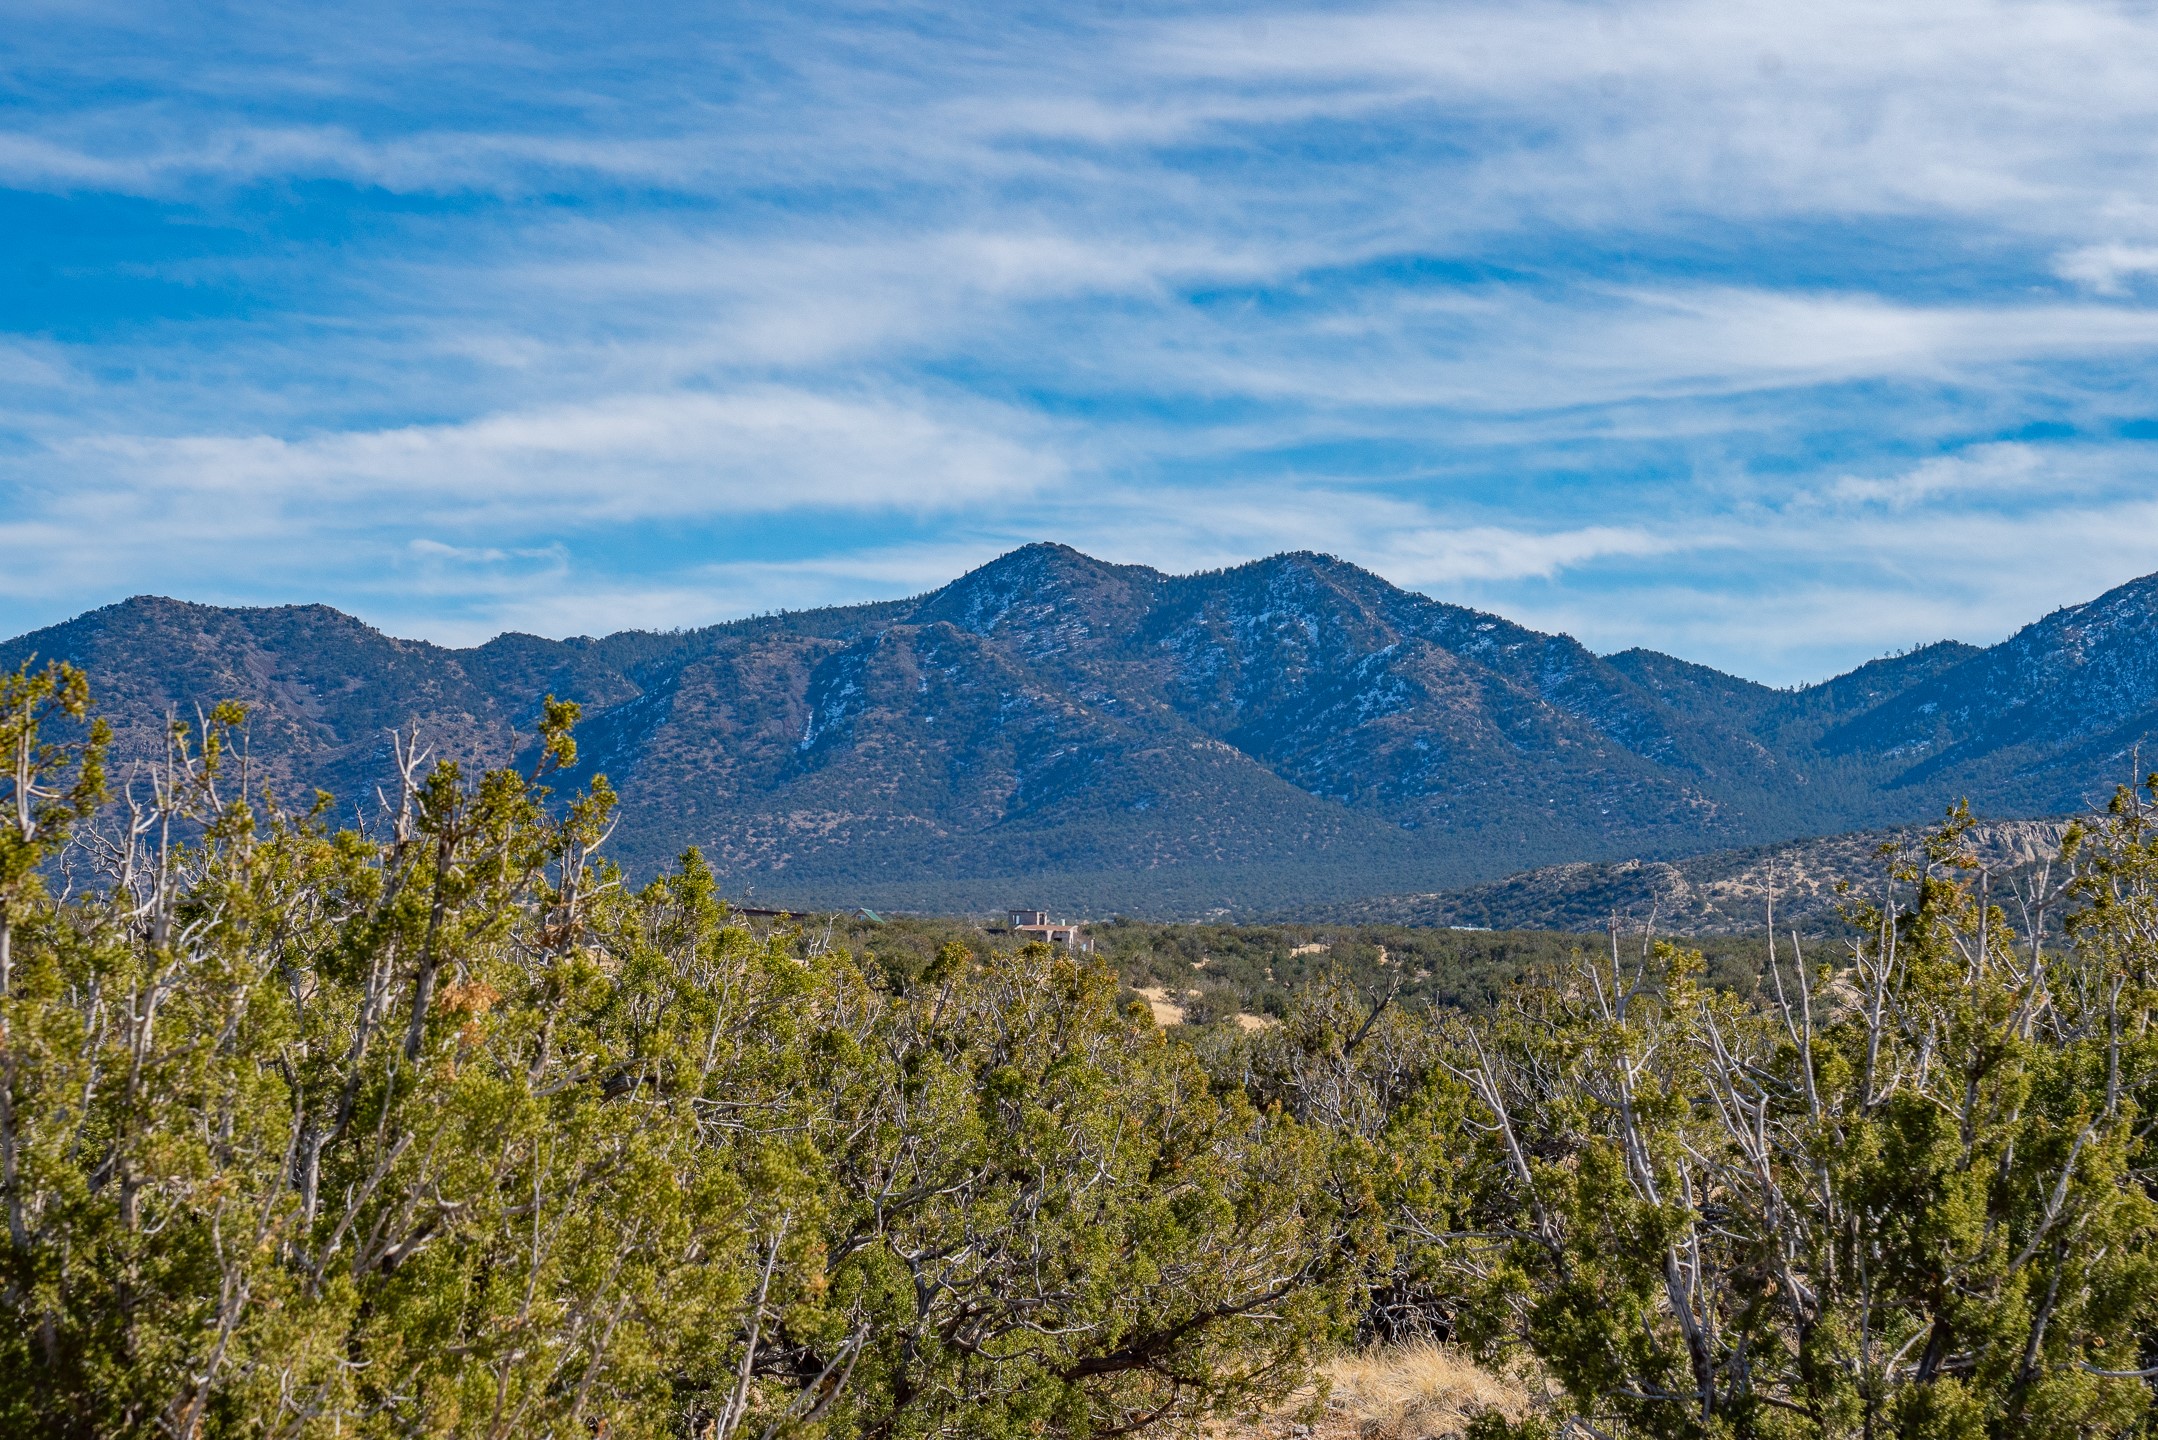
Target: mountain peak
1039, 585
1317, 567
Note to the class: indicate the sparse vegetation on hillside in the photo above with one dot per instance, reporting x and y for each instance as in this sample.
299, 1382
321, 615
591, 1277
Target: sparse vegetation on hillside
1722, 893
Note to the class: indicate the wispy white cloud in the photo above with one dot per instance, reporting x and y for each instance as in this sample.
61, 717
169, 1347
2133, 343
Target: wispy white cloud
1508, 349
1411, 541
2107, 269
622, 458
1974, 106
1983, 472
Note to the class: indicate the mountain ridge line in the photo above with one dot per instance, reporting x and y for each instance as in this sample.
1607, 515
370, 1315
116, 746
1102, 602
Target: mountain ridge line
1293, 732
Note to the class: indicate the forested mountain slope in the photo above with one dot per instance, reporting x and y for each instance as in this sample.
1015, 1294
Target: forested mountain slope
1104, 737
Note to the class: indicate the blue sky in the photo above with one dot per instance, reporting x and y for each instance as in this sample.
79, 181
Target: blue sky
1775, 336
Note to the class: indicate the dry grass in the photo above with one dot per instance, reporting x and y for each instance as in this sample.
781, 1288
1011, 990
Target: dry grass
1420, 1391
1166, 1011
1410, 1392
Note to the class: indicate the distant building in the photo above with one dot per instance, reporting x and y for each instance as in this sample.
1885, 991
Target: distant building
1036, 924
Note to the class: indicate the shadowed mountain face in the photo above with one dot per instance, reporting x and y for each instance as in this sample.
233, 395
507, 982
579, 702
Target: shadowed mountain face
1101, 736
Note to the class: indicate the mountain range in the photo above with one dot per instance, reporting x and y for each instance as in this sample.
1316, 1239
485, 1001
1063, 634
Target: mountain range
1055, 730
